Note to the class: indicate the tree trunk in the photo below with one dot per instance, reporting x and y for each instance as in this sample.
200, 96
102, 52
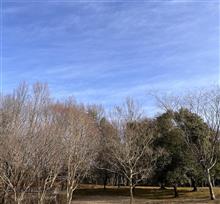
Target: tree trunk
56, 199
4, 197
212, 195
105, 181
194, 185
175, 191
162, 186
131, 188
131, 194
213, 181
119, 181
19, 200
115, 179
69, 196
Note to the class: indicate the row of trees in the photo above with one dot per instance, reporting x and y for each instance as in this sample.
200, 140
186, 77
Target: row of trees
43, 142
47, 147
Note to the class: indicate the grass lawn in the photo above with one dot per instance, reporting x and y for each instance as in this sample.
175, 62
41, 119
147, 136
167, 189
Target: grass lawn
143, 195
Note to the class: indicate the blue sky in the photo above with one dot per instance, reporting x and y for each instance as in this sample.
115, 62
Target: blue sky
103, 51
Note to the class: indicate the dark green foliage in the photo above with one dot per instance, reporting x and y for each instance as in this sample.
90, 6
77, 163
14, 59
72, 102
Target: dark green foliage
171, 165
176, 165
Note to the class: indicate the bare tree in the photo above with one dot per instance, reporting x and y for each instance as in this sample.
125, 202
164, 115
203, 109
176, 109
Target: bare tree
130, 148
25, 141
80, 139
49, 156
17, 171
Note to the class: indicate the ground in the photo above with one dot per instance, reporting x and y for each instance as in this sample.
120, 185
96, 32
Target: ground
143, 195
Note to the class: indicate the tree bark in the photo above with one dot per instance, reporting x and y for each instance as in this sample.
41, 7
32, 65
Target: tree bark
212, 195
119, 181
131, 194
131, 187
162, 186
3, 199
19, 200
175, 191
213, 182
105, 180
194, 185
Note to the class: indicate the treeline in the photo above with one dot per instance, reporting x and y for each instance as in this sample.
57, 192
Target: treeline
48, 147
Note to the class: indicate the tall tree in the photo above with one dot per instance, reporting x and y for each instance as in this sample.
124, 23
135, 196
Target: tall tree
80, 138
130, 148
22, 116
200, 141
171, 166
198, 116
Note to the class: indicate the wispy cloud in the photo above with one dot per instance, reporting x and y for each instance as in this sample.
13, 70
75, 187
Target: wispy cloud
102, 52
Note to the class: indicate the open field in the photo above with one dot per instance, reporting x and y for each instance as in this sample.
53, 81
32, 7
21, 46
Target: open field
143, 195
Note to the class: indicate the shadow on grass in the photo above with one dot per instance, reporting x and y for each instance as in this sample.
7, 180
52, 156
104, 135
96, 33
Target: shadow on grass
138, 192
146, 193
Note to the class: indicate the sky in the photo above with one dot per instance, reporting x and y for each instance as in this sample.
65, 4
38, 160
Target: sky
102, 51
